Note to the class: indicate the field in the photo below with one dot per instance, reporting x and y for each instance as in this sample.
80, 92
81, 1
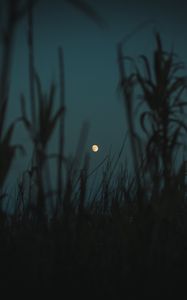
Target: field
129, 235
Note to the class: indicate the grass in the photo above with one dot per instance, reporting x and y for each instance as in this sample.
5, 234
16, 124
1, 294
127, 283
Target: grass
130, 237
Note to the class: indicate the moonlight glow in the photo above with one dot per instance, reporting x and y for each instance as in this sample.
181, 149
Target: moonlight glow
95, 148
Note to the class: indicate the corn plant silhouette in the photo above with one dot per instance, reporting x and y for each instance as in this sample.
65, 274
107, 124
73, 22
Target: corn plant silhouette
162, 92
42, 136
15, 11
42, 131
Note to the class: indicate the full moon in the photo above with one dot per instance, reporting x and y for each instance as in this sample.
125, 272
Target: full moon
95, 148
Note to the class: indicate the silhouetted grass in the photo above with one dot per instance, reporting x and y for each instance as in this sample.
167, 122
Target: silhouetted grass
129, 236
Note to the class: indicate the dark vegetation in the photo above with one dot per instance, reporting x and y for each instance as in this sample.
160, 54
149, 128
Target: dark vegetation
131, 236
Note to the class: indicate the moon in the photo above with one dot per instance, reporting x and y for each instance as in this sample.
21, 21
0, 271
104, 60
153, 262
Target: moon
95, 148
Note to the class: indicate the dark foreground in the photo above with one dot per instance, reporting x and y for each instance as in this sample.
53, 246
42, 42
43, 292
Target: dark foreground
98, 254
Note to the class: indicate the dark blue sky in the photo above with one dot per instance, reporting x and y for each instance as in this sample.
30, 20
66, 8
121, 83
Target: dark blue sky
91, 70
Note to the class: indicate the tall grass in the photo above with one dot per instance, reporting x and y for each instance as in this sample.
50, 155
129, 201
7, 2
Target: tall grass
129, 234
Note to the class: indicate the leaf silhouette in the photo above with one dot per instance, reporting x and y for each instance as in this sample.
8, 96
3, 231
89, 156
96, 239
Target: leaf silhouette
88, 10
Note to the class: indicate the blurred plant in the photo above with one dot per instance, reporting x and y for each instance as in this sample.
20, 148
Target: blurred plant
88, 10
128, 84
162, 92
14, 11
162, 88
7, 154
41, 132
45, 121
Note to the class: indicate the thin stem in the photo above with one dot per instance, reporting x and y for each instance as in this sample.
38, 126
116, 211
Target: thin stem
127, 95
31, 63
62, 123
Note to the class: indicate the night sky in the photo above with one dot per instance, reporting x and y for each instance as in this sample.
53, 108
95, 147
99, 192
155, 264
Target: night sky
91, 71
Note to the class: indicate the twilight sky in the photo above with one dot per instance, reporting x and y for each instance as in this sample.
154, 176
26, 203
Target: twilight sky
91, 70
